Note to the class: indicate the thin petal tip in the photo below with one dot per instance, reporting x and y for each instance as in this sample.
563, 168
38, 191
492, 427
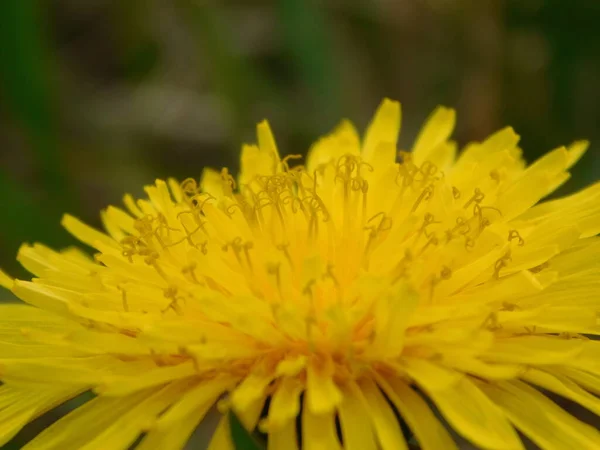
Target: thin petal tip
5, 280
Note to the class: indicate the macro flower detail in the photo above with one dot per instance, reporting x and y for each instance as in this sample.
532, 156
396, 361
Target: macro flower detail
321, 302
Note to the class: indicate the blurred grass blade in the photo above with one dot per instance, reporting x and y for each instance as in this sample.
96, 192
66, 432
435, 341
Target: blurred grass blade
242, 440
306, 35
27, 92
22, 65
25, 78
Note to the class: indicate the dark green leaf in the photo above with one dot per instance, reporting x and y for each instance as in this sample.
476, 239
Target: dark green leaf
242, 440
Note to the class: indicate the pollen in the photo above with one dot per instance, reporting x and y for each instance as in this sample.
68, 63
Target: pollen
338, 292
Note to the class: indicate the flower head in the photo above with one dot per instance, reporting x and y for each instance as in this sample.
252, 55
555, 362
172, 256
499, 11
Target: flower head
367, 284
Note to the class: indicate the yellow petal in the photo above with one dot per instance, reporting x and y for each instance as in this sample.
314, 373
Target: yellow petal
444, 155
551, 162
39, 260
175, 188
92, 419
266, 143
355, 421
580, 210
539, 180
468, 272
285, 403
576, 150
318, 430
111, 228
579, 202
429, 431
580, 259
431, 375
471, 413
17, 319
504, 139
11, 425
120, 219
383, 419
572, 291
434, 133
29, 351
507, 288
574, 319
102, 343
382, 157
221, 439
539, 418
125, 321
123, 432
197, 401
392, 315
384, 128
284, 438
251, 388
212, 183
19, 405
485, 370
343, 140
173, 428
131, 205
74, 372
5, 280
291, 366
259, 160
534, 350
322, 395
87, 234
563, 386
589, 381
160, 197
176, 436
531, 258
215, 351
119, 386
253, 164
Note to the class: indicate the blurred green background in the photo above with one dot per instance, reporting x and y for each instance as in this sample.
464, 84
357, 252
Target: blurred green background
99, 97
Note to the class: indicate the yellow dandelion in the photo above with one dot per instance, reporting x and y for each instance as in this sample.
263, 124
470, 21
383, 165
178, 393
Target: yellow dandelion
322, 302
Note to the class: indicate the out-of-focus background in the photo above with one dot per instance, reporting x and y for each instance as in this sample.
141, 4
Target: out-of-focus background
99, 97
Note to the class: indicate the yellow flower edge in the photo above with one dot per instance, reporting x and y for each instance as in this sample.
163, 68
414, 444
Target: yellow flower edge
367, 284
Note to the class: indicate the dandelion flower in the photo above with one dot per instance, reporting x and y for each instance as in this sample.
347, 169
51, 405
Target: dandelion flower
322, 302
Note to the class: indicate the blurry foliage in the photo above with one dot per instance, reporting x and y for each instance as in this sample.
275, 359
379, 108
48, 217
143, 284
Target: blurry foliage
98, 98
26, 87
242, 439
101, 97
